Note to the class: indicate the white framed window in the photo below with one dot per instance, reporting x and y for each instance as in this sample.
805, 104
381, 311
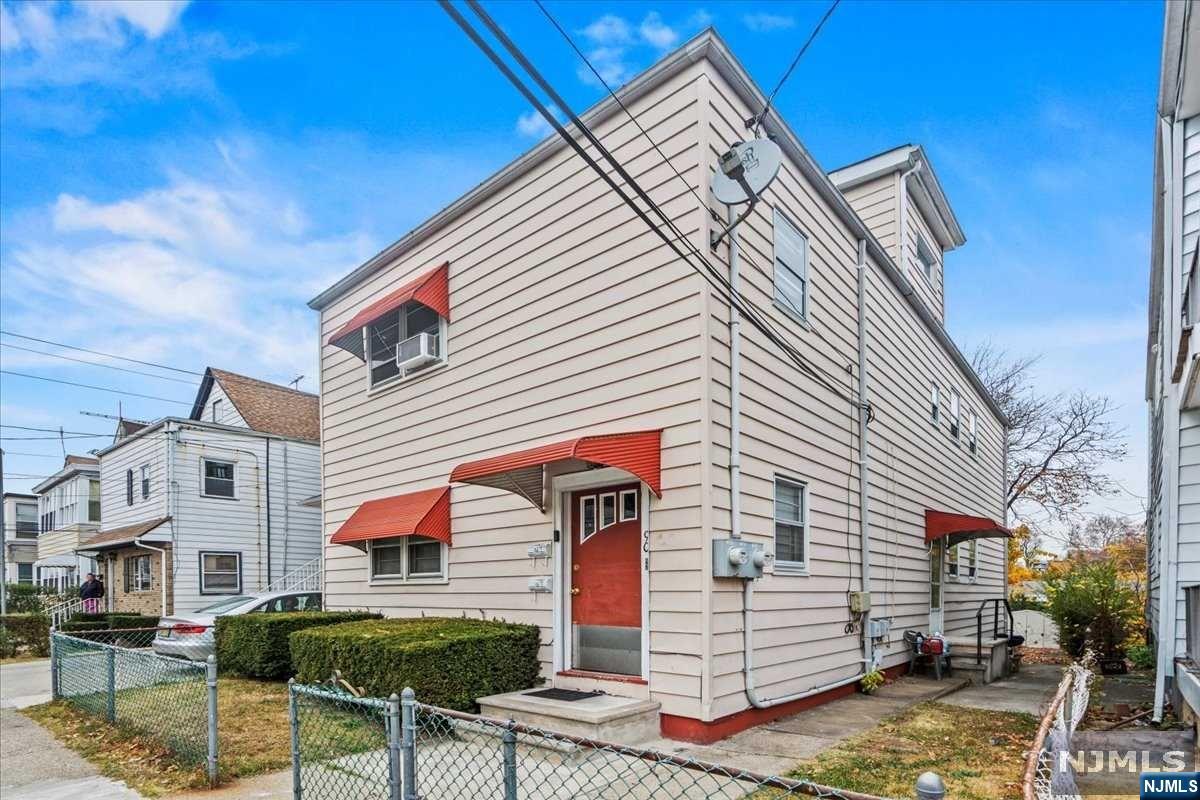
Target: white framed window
138, 572
587, 517
608, 509
220, 573
216, 410
952, 560
791, 525
218, 478
791, 268
402, 329
955, 413
972, 431
972, 559
629, 505
935, 403
408, 558
925, 258
144, 478
128, 487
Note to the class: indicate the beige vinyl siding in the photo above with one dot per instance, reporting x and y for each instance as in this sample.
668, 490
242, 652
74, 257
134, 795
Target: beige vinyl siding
929, 289
567, 317
875, 202
792, 425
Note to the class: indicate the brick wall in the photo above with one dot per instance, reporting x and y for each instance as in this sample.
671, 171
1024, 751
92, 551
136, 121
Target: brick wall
144, 602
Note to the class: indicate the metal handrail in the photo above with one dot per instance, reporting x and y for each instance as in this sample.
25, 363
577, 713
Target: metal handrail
995, 601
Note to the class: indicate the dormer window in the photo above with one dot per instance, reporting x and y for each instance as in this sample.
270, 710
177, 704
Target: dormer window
926, 258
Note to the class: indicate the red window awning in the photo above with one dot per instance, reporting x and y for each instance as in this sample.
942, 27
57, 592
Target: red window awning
955, 528
521, 472
431, 289
423, 513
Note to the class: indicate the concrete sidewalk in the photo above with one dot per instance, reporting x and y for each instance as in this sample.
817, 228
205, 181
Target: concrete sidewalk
1028, 692
776, 747
33, 765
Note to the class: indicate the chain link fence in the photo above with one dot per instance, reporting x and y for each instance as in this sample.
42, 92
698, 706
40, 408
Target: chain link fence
1048, 774
128, 638
398, 749
170, 700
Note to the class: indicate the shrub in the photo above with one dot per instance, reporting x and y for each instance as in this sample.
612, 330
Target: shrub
27, 632
1093, 608
107, 622
256, 645
1141, 655
30, 598
8, 648
448, 662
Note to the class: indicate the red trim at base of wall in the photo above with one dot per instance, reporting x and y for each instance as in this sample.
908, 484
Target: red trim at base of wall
698, 731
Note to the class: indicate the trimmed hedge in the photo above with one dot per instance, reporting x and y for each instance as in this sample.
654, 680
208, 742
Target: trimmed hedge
31, 598
256, 645
26, 632
108, 622
447, 662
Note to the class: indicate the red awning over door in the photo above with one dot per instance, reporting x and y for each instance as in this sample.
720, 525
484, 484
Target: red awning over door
521, 472
431, 289
424, 513
955, 528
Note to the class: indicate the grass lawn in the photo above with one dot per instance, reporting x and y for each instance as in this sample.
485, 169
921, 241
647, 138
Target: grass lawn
252, 717
978, 753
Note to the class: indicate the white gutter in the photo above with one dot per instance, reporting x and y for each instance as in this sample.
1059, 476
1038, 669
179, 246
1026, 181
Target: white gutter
162, 581
903, 260
864, 450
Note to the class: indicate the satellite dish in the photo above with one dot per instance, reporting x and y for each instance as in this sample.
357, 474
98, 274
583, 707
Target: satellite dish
758, 163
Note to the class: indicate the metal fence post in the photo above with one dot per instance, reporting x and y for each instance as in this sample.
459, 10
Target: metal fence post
294, 724
508, 742
54, 690
112, 684
408, 744
395, 775
211, 674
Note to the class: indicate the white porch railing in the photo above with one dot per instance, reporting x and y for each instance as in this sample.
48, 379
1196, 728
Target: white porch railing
306, 578
61, 612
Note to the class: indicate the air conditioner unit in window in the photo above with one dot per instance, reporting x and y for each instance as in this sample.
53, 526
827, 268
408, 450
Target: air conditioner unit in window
417, 351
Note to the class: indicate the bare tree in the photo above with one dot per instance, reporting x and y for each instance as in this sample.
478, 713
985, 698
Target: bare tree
1059, 445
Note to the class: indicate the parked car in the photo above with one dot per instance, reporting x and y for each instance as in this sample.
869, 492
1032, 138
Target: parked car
191, 635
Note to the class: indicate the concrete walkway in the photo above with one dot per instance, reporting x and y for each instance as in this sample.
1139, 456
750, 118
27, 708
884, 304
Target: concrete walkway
1029, 691
33, 765
776, 747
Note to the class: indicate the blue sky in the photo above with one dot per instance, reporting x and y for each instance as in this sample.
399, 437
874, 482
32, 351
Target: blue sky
176, 181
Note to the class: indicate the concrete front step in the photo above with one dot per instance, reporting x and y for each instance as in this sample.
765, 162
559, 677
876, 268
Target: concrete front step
602, 716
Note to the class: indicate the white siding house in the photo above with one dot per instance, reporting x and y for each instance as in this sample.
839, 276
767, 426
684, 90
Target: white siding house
68, 516
533, 370
20, 538
214, 506
1173, 359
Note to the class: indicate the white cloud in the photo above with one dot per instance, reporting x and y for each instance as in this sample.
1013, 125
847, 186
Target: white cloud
152, 17
698, 20
533, 125
609, 30
763, 22
656, 33
610, 63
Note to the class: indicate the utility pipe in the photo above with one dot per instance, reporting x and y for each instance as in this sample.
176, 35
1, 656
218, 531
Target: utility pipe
735, 387
162, 581
864, 450
904, 216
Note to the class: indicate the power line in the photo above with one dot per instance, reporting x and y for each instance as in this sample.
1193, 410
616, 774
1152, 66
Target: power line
97, 364
97, 388
99, 353
52, 430
754, 122
713, 276
28, 455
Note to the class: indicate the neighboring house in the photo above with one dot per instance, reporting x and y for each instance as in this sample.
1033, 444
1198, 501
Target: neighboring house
1173, 350
213, 502
68, 515
526, 414
20, 537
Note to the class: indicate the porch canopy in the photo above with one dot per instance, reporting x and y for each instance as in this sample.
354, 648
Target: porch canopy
523, 472
431, 289
955, 528
423, 513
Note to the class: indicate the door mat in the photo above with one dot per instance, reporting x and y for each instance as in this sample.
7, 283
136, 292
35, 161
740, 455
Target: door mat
568, 695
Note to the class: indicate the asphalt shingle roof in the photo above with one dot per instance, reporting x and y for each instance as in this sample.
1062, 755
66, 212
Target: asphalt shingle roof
271, 408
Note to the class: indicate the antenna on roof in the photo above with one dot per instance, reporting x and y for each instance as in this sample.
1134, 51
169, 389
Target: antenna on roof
295, 382
117, 417
747, 169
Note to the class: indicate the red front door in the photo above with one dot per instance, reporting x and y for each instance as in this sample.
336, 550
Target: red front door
606, 579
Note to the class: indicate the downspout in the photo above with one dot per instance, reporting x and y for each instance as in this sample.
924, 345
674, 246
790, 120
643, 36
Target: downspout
903, 232
172, 496
735, 393
864, 451
287, 502
267, 445
162, 572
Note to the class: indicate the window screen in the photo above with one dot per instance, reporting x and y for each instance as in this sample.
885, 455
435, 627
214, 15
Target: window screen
791, 267
218, 478
789, 521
